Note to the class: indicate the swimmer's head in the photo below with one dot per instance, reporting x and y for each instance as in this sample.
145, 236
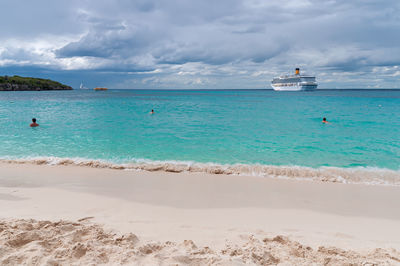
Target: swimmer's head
34, 120
324, 119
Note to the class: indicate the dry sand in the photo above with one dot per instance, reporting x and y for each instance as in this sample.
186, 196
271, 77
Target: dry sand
55, 243
84, 215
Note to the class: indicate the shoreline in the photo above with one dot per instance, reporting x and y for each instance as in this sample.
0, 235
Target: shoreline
214, 211
331, 174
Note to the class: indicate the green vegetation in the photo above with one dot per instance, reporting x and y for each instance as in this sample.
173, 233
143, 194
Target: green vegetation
17, 83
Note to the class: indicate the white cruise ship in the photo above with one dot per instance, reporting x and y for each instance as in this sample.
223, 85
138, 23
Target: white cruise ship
294, 82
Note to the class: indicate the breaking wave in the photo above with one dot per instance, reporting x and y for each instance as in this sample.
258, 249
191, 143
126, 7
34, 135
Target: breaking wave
356, 175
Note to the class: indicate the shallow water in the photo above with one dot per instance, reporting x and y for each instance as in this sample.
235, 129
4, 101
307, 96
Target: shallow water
245, 127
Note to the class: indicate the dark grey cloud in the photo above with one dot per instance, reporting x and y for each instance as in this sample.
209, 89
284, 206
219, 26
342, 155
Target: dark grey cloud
204, 41
28, 19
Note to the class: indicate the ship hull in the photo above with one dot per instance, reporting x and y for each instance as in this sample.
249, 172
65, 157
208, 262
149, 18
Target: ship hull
297, 87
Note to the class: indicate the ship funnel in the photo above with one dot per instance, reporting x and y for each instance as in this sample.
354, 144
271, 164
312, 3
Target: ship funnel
297, 71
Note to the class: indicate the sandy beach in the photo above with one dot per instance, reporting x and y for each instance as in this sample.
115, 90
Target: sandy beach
82, 215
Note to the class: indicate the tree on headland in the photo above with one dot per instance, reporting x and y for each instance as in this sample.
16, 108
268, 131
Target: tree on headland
17, 83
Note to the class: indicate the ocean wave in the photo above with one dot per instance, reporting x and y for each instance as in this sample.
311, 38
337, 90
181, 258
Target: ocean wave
356, 175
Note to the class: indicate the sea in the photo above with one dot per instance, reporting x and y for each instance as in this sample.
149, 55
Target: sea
242, 132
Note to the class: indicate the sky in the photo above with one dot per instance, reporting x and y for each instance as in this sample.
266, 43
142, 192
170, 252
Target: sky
201, 44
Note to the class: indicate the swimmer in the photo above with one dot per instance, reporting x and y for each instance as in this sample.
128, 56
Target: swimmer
34, 124
324, 120
152, 111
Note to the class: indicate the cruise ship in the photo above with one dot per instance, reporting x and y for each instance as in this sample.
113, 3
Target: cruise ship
294, 82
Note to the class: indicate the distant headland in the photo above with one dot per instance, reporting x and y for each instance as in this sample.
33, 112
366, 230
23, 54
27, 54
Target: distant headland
17, 83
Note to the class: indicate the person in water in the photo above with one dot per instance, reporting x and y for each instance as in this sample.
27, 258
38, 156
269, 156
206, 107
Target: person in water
324, 120
34, 124
152, 111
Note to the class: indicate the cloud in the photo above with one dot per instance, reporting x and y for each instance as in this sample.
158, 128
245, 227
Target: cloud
222, 44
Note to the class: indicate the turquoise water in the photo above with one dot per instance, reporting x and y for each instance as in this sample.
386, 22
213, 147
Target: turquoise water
223, 127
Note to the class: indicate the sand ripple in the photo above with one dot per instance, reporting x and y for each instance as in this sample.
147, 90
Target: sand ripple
31, 242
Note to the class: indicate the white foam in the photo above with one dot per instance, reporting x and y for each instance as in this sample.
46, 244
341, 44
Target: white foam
357, 175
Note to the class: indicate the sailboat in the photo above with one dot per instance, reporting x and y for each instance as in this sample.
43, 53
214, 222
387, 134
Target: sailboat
83, 87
